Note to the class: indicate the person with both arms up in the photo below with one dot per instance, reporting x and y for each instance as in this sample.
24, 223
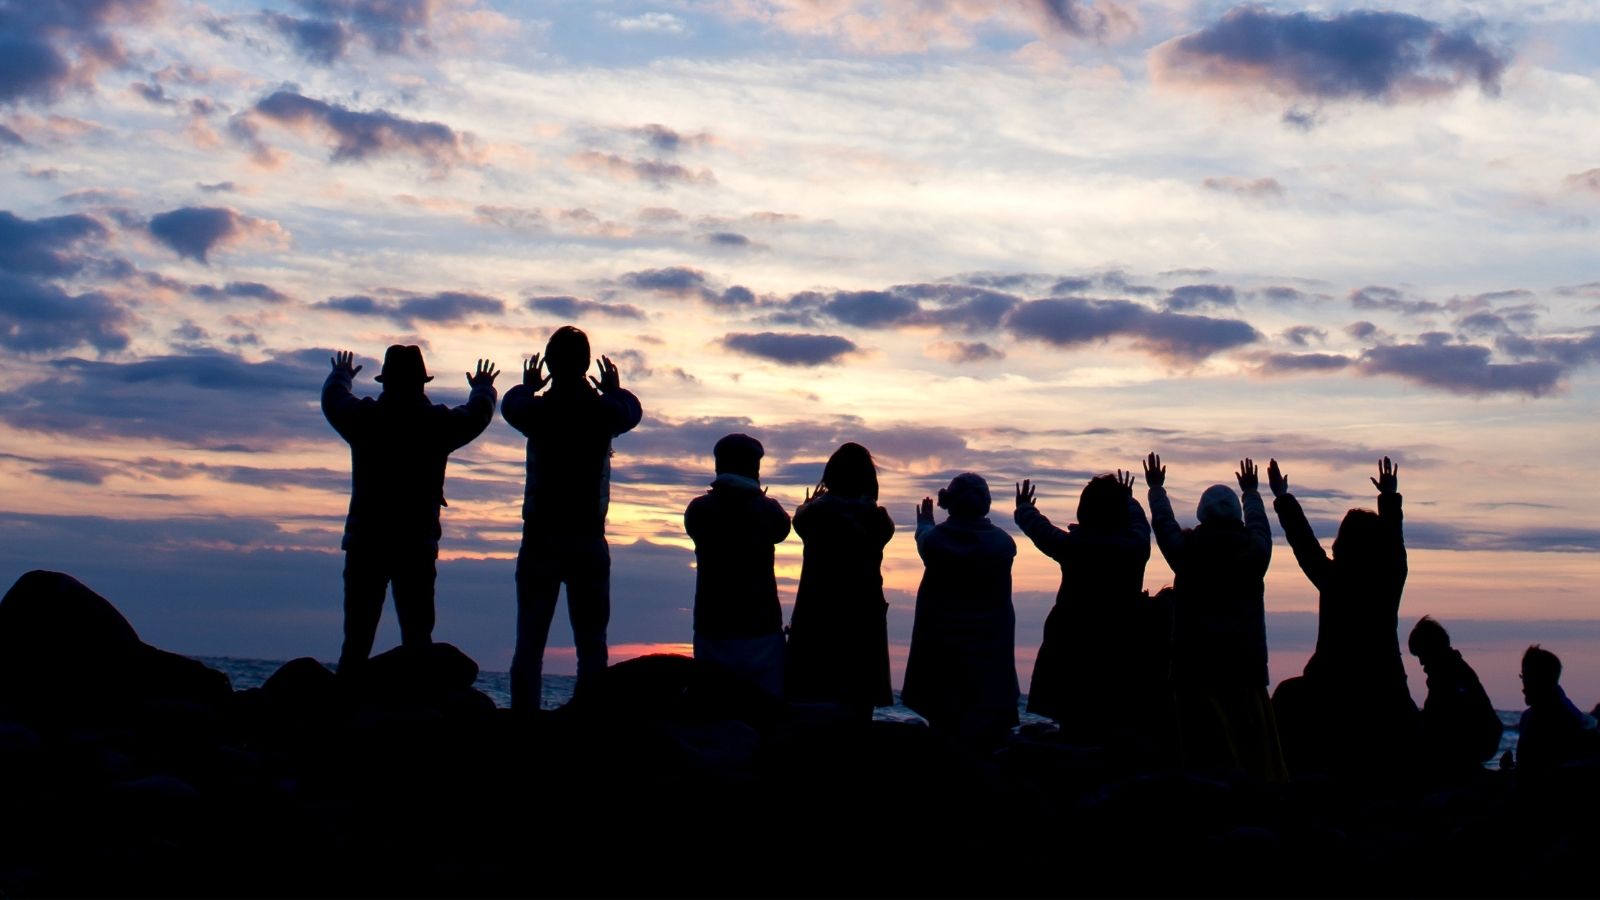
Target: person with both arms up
399, 446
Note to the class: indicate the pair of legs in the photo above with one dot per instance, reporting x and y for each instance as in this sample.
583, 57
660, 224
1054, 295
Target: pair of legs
544, 564
367, 577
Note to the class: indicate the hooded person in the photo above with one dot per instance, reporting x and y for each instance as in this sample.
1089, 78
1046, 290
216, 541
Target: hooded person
1355, 681
838, 649
738, 623
569, 429
961, 673
400, 443
1219, 667
1080, 678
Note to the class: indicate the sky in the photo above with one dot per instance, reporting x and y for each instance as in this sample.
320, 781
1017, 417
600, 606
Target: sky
1026, 238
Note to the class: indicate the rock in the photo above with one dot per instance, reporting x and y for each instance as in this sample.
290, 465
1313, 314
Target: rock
302, 686
441, 668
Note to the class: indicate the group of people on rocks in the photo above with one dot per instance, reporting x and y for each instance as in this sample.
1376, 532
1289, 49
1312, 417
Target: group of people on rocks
1178, 678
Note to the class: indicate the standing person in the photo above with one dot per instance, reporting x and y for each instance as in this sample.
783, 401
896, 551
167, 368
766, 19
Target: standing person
1082, 677
1553, 730
569, 430
961, 674
738, 624
1219, 673
1460, 729
399, 446
838, 635
1355, 682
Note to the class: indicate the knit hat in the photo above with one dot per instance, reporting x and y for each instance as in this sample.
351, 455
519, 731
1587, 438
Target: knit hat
967, 496
1219, 502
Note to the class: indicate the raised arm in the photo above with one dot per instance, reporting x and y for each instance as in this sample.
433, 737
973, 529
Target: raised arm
925, 526
625, 409
1051, 541
1255, 512
1388, 485
1169, 534
468, 420
339, 401
1307, 549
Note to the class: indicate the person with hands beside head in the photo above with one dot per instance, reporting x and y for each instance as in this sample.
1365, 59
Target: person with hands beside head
961, 674
569, 429
1081, 678
1225, 719
400, 443
1356, 678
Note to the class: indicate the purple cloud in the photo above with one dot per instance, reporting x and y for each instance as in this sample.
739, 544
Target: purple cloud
791, 349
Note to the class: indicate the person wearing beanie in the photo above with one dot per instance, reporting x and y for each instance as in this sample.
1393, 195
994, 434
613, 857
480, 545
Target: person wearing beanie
738, 624
399, 443
1355, 681
961, 674
1219, 666
569, 428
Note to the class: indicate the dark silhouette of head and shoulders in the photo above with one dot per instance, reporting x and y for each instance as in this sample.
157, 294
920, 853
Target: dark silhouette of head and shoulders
1459, 726
1553, 730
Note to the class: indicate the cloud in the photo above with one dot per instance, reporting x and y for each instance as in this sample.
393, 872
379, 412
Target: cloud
909, 26
1460, 368
1362, 330
52, 46
1386, 298
445, 307
682, 281
319, 40
652, 22
670, 140
194, 231
1249, 188
1367, 55
574, 308
46, 247
1300, 363
1303, 335
356, 135
791, 349
1195, 296
240, 290
1584, 181
1177, 337
728, 239
964, 351
654, 171
331, 28
1568, 351
39, 317
960, 307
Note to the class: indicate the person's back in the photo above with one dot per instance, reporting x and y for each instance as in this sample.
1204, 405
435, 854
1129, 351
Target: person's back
738, 623
1459, 728
961, 672
1553, 731
838, 649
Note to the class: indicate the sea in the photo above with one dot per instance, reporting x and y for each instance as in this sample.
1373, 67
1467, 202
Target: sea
557, 690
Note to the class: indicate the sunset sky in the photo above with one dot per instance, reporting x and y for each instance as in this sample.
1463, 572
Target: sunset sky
1027, 238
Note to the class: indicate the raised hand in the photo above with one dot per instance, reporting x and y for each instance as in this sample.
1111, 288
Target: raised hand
344, 361
1125, 479
531, 374
485, 375
816, 492
1249, 477
925, 512
609, 380
1388, 480
1155, 474
1276, 480
1025, 494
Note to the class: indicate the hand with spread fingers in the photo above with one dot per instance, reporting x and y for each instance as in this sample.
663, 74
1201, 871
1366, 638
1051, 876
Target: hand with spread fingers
1025, 494
532, 376
609, 379
1388, 480
344, 362
1126, 479
485, 375
1155, 474
1248, 475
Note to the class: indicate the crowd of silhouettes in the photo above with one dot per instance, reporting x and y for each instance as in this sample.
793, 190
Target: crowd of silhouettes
1176, 678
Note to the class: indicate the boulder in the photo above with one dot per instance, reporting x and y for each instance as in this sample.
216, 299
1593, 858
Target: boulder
406, 671
302, 686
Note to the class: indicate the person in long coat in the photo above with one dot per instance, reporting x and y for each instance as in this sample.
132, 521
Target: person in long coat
838, 634
961, 674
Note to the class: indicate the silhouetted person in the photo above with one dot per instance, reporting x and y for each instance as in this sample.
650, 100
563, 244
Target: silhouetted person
1081, 677
1219, 673
1553, 730
738, 624
1355, 682
569, 430
838, 634
1460, 729
399, 445
961, 674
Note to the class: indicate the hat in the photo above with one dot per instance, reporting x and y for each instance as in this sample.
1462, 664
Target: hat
966, 497
739, 454
1221, 503
402, 364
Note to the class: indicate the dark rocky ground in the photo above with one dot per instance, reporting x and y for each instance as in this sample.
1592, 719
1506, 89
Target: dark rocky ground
128, 771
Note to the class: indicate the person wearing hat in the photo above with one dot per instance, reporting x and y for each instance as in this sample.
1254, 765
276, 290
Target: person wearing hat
569, 429
399, 443
738, 624
1219, 667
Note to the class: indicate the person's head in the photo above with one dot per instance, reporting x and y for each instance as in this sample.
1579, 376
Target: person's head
567, 353
1103, 504
738, 454
850, 472
1428, 639
1360, 536
403, 369
967, 497
1219, 503
1541, 673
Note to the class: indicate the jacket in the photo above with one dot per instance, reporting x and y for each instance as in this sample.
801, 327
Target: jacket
569, 430
735, 526
838, 634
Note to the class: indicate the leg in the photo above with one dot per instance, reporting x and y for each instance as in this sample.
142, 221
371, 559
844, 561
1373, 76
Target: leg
589, 607
413, 601
538, 586
365, 583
